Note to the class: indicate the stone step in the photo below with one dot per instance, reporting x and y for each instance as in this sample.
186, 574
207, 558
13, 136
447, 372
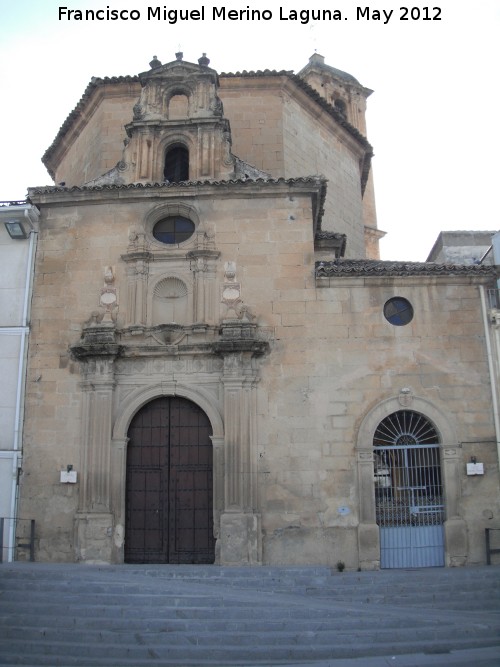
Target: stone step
348, 587
64, 653
228, 611
229, 638
170, 615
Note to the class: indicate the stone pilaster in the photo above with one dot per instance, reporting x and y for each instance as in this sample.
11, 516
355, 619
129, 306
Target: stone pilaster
455, 528
117, 481
368, 530
240, 527
137, 259
203, 265
94, 520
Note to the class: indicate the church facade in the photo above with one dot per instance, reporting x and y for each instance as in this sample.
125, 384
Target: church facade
221, 368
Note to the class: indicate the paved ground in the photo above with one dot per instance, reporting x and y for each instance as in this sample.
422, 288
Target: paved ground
200, 616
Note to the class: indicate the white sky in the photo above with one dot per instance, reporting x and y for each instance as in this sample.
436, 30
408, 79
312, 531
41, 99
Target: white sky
432, 118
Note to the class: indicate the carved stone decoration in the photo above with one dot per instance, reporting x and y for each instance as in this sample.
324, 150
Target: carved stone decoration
109, 295
158, 120
170, 302
231, 292
138, 111
230, 271
405, 397
137, 258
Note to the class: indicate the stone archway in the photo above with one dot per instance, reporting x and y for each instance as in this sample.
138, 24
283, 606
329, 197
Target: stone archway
169, 480
454, 525
129, 409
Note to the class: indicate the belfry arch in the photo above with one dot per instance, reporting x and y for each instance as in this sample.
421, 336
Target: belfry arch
176, 165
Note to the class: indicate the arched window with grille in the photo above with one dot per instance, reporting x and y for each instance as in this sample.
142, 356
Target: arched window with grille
408, 491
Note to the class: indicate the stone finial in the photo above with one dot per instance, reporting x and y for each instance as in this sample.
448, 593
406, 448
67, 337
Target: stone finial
179, 55
155, 63
109, 276
230, 271
204, 61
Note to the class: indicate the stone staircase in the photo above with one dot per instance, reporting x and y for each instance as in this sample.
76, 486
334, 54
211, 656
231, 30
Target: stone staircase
64, 615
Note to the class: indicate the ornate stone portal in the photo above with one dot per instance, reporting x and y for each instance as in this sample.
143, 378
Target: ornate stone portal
171, 340
111, 398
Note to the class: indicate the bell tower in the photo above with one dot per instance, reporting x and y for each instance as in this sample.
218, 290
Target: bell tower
348, 97
178, 131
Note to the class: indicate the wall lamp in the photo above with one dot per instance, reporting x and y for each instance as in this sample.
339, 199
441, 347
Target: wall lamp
19, 218
16, 229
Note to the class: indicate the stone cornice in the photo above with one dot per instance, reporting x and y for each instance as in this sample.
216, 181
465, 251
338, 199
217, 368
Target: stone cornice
330, 241
352, 268
313, 185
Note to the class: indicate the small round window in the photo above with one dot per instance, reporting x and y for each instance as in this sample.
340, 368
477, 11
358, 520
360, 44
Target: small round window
173, 230
398, 311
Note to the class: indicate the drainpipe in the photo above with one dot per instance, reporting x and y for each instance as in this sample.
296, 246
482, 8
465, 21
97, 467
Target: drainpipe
21, 382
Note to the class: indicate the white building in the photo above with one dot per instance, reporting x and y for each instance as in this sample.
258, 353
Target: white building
18, 233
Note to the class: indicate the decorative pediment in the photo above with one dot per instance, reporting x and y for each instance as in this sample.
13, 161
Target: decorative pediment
177, 68
163, 83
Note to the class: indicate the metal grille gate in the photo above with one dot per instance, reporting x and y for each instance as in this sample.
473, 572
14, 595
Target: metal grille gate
408, 492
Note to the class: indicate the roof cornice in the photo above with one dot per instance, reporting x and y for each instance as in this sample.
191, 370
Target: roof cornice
313, 185
353, 268
97, 83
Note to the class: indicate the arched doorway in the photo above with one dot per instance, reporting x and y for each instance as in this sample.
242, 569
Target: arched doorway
169, 514
408, 491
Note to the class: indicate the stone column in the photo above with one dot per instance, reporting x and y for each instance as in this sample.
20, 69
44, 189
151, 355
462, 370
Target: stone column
368, 530
240, 525
455, 528
204, 269
137, 259
218, 490
94, 520
118, 474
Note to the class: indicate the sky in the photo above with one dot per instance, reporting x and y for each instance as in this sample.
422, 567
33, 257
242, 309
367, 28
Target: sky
432, 119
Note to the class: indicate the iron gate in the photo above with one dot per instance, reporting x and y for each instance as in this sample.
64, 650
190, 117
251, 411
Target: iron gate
408, 492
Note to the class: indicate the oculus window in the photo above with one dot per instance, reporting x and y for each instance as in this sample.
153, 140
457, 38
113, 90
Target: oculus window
173, 230
398, 311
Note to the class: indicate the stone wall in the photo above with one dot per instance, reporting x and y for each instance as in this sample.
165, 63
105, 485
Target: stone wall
93, 144
333, 363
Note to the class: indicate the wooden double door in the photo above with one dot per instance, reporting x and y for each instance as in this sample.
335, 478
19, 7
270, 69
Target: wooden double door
169, 515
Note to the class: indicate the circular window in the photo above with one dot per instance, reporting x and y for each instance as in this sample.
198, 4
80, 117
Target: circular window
398, 311
173, 230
